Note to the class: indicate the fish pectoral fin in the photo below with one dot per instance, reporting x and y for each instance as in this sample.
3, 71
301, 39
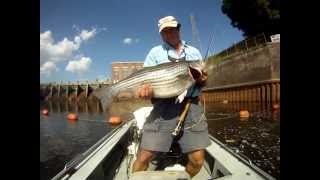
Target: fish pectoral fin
181, 97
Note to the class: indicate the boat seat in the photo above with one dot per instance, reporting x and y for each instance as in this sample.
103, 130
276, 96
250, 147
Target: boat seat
160, 175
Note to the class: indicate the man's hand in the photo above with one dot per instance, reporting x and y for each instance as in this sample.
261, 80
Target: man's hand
202, 79
144, 91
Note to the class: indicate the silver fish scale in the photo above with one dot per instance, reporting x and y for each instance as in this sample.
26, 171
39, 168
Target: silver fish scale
166, 81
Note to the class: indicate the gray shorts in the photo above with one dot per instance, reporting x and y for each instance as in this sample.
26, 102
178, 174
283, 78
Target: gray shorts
162, 121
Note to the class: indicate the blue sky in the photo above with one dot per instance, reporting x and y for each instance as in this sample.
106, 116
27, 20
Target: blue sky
80, 38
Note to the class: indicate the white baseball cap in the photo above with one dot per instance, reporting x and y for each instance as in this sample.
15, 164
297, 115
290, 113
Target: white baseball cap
168, 21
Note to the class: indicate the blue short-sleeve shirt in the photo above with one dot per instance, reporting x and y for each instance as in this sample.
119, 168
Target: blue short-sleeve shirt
159, 54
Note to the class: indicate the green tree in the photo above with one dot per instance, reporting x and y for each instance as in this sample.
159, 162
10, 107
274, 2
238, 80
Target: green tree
254, 16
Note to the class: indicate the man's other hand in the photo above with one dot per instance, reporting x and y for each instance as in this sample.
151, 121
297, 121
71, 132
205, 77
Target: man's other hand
144, 91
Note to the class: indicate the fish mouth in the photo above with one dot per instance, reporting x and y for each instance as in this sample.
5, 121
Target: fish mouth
195, 72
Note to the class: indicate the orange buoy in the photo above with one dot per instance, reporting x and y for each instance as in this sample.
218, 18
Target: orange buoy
276, 107
72, 116
115, 120
244, 114
45, 112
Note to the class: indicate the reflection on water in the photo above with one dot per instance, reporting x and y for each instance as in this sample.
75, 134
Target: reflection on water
236, 107
256, 137
58, 106
62, 139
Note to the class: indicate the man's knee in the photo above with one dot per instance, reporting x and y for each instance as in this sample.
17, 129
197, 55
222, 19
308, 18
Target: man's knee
196, 158
145, 156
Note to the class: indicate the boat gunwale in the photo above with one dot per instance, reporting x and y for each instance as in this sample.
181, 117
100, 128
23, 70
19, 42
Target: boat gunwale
106, 139
76, 162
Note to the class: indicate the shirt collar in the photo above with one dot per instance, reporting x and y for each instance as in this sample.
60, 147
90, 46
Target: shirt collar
167, 46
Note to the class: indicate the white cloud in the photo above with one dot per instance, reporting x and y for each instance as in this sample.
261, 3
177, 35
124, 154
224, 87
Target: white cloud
127, 41
52, 53
76, 27
56, 52
79, 66
85, 35
130, 41
77, 39
45, 38
48, 67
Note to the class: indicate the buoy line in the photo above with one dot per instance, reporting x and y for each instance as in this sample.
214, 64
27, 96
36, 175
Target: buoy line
89, 120
227, 117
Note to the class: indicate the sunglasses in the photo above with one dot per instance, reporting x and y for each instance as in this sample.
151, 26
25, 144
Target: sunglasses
183, 58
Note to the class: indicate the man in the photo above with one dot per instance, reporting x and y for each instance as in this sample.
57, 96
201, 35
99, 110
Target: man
164, 116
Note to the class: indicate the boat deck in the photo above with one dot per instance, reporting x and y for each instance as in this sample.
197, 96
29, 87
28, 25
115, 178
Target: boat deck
123, 171
110, 158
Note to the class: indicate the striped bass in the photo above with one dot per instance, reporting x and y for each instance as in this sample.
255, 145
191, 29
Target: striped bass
167, 80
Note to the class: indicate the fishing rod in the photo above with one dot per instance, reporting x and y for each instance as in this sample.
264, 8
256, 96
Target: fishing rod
183, 115
210, 43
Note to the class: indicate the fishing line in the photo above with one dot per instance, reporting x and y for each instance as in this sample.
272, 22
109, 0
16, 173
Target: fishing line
210, 43
89, 120
228, 117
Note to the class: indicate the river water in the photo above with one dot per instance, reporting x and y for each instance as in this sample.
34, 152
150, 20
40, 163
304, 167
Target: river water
256, 137
62, 139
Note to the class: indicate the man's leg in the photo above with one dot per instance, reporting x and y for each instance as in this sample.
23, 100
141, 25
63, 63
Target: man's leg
142, 161
196, 159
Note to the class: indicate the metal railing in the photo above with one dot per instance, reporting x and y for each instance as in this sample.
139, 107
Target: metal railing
240, 48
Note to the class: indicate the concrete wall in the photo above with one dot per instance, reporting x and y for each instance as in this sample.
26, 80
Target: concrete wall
258, 64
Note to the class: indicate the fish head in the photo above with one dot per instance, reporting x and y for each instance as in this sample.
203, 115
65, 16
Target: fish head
196, 69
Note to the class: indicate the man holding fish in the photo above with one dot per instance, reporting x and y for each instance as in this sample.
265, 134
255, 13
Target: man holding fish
157, 135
